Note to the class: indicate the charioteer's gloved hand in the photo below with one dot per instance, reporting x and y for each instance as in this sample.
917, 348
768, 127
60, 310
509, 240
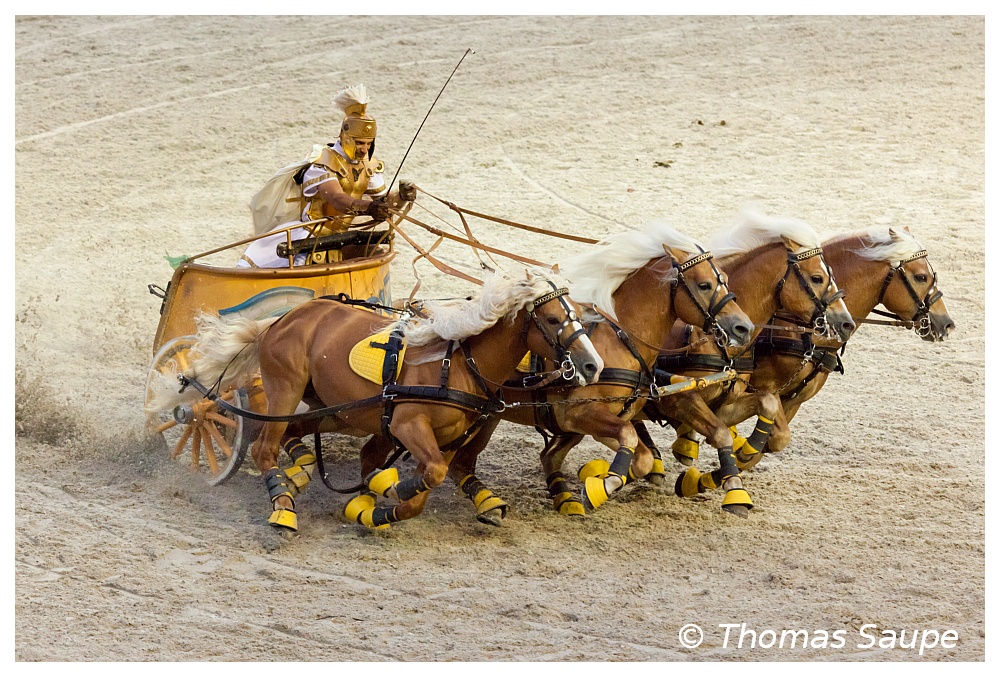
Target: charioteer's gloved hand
378, 209
407, 191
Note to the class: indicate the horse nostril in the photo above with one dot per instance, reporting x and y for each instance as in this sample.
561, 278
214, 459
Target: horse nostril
741, 330
849, 327
590, 368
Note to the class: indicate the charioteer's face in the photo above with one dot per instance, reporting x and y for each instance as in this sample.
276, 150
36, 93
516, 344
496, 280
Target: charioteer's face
361, 148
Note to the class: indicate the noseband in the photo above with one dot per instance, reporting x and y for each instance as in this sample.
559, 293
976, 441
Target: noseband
715, 304
571, 324
820, 303
921, 319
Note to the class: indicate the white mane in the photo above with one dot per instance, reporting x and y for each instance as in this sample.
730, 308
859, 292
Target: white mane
501, 297
753, 228
597, 273
878, 244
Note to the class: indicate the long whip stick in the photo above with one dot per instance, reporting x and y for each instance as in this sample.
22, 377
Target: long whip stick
467, 52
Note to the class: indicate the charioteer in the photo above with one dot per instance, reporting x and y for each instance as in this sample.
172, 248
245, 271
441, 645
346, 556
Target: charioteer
328, 191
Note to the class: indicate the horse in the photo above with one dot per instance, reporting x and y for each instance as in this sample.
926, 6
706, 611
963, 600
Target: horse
879, 266
442, 390
634, 285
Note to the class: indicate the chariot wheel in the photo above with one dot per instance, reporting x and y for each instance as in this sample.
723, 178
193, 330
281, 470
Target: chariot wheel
212, 441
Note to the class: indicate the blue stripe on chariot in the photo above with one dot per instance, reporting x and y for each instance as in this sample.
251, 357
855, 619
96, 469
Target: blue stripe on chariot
292, 295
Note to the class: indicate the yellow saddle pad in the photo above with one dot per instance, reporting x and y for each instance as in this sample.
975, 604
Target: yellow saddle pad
525, 366
367, 361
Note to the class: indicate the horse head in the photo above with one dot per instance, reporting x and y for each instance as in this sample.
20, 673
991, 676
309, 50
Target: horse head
706, 299
556, 331
910, 291
813, 293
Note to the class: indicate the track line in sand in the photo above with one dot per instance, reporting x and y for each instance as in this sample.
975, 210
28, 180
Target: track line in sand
527, 178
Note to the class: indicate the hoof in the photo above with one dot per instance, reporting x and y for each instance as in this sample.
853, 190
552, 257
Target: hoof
685, 451
596, 468
572, 508
687, 484
358, 505
745, 462
493, 517
383, 481
658, 475
737, 502
595, 494
284, 519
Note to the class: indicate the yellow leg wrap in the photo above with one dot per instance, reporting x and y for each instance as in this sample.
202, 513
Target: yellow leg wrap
685, 450
687, 483
707, 481
595, 494
366, 519
299, 477
738, 440
745, 462
358, 505
284, 518
384, 481
738, 497
596, 468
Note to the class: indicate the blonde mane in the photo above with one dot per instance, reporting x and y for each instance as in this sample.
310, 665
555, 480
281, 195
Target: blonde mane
501, 297
753, 228
598, 272
880, 243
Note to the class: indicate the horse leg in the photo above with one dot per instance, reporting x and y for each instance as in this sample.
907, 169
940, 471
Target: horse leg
750, 453
737, 500
417, 435
374, 454
685, 447
658, 475
552, 456
631, 460
781, 435
490, 509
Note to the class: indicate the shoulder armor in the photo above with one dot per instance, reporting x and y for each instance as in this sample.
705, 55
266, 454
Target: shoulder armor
332, 160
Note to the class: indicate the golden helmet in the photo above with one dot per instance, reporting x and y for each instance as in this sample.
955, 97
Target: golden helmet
357, 124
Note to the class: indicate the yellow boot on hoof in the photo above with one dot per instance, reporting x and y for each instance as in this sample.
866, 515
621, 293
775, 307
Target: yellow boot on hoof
686, 485
596, 468
383, 481
358, 505
285, 519
658, 474
685, 450
572, 508
595, 494
737, 502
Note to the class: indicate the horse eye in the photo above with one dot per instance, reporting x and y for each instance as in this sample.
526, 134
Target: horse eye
553, 321
817, 279
705, 286
920, 278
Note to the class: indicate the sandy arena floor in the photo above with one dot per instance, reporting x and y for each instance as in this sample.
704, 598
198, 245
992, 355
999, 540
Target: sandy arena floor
137, 137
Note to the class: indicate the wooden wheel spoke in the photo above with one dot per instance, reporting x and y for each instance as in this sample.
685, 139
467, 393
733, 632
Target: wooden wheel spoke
167, 425
217, 436
195, 446
219, 418
179, 447
206, 441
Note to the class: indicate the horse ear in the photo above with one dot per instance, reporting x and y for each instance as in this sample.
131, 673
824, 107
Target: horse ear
790, 244
894, 236
670, 252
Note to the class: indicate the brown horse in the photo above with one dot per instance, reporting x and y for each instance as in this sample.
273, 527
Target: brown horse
445, 384
777, 269
635, 293
880, 266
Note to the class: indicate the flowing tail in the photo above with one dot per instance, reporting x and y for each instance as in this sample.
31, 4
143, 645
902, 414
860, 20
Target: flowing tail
225, 347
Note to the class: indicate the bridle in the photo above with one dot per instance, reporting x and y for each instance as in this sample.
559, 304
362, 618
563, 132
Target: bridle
715, 304
822, 303
570, 325
921, 319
